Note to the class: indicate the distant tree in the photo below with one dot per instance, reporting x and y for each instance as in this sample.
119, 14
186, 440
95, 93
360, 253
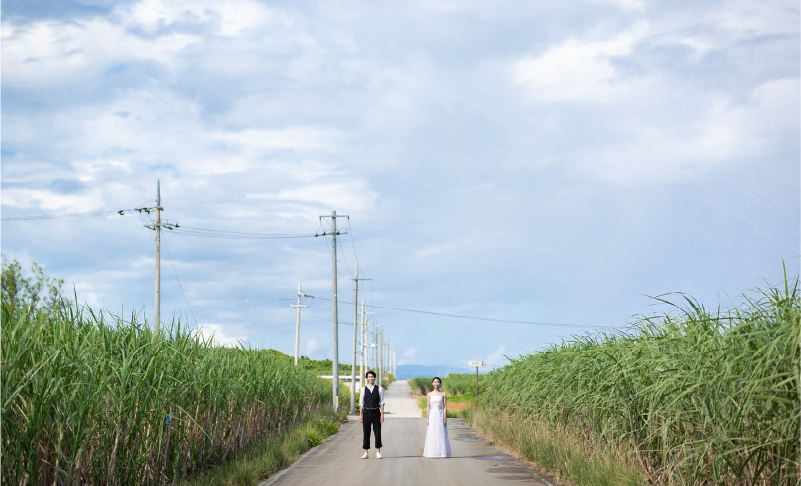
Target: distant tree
36, 291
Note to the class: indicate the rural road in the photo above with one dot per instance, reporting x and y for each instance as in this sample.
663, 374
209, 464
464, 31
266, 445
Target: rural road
337, 461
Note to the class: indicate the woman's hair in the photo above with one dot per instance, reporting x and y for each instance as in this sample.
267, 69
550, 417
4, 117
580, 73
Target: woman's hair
436, 378
371, 372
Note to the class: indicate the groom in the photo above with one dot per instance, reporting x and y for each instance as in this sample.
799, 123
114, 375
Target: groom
371, 411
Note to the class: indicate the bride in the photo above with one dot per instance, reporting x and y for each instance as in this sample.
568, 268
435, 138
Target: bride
437, 444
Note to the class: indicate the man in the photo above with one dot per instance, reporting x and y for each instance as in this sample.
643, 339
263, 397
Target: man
371, 412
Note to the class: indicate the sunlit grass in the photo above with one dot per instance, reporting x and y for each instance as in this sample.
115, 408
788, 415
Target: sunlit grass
453, 384
269, 455
702, 397
90, 399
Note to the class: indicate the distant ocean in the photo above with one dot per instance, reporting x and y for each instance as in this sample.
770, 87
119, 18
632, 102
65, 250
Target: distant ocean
413, 371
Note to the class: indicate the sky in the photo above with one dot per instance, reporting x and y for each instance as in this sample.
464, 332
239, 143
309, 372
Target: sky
549, 162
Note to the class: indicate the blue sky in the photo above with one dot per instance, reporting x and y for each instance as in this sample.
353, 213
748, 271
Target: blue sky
555, 162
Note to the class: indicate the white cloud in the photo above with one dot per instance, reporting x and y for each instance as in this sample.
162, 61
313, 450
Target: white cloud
754, 19
408, 356
48, 200
217, 333
429, 251
627, 5
496, 358
47, 53
230, 17
578, 70
720, 133
293, 138
312, 345
352, 194
427, 129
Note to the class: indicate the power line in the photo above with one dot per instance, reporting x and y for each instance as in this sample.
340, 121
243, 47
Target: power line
328, 246
184, 230
490, 319
324, 317
178, 280
234, 236
90, 214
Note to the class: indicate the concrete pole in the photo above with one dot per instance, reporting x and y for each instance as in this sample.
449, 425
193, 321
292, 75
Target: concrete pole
355, 325
297, 326
361, 348
336, 315
157, 312
380, 355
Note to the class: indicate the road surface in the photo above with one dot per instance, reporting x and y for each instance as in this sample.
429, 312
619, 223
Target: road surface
337, 461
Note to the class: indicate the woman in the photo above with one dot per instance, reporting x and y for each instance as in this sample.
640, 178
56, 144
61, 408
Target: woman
437, 443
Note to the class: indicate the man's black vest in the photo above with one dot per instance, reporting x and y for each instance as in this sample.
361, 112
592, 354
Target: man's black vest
372, 400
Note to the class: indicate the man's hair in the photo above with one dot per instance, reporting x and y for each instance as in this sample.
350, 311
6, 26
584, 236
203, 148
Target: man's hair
371, 372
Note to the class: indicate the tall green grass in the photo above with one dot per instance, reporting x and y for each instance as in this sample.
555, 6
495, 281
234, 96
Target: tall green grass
270, 455
89, 399
700, 397
452, 383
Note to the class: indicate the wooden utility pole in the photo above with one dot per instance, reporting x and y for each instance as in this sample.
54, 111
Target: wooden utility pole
297, 326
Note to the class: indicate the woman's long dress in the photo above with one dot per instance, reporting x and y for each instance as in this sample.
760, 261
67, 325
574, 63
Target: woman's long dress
437, 443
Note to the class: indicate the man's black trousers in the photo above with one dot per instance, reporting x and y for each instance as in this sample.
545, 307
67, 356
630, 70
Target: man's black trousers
371, 417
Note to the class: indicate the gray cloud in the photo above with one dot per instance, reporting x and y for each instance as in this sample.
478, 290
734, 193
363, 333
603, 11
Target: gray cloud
542, 162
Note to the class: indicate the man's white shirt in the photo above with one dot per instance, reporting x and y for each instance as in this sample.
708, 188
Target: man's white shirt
380, 395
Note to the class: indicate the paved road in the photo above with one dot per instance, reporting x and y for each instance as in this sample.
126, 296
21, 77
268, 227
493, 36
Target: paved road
337, 461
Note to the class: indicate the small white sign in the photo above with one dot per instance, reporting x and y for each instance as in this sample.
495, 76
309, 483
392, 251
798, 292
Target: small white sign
476, 363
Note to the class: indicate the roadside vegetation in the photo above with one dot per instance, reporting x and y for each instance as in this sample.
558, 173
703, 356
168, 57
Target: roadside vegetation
703, 397
453, 384
93, 398
270, 455
457, 405
324, 367
460, 387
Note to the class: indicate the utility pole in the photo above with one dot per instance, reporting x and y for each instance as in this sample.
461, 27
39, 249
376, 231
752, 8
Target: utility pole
380, 355
157, 227
335, 359
365, 356
372, 347
355, 324
361, 349
157, 313
297, 326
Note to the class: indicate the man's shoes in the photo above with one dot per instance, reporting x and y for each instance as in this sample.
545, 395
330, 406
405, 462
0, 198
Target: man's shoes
366, 456
377, 455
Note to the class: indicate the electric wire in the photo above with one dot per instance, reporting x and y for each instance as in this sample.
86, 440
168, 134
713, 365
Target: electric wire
232, 236
323, 317
350, 232
329, 245
90, 214
178, 280
490, 319
177, 229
